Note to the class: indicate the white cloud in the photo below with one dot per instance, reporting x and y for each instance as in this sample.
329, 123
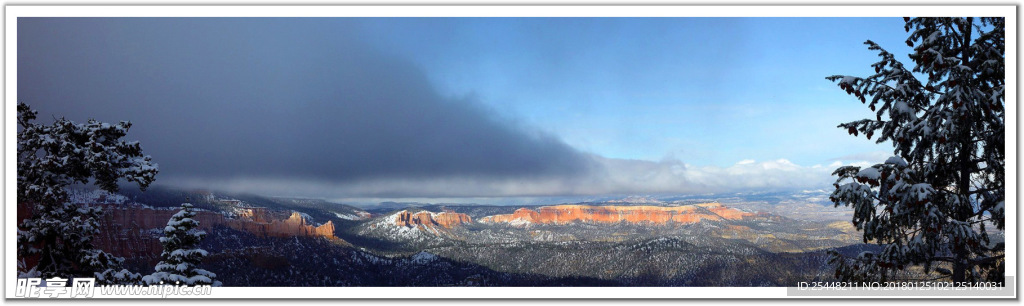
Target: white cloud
774, 174
872, 157
610, 176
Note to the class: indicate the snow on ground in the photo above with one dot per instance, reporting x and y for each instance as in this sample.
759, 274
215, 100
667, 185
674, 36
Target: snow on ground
307, 217
423, 257
361, 216
388, 227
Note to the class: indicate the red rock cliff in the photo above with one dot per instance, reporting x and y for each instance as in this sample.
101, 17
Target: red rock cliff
562, 214
133, 231
429, 219
295, 225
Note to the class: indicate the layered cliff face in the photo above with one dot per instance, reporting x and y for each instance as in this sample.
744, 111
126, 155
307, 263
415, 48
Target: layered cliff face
522, 215
563, 214
148, 218
132, 232
725, 212
295, 225
429, 219
421, 226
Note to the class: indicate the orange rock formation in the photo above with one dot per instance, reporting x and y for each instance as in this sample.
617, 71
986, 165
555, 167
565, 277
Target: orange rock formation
295, 225
132, 231
428, 219
562, 214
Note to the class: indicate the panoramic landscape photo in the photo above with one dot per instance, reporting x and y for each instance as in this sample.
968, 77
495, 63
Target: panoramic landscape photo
512, 152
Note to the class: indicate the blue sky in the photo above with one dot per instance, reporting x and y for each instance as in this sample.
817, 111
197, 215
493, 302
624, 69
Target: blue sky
710, 91
391, 108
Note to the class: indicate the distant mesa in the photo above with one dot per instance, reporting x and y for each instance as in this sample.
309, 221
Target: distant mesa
416, 225
428, 219
258, 221
564, 214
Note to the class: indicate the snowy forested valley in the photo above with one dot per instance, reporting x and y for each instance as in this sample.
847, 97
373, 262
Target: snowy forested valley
266, 241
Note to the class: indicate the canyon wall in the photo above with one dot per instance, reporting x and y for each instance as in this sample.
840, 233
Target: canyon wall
429, 219
294, 225
562, 214
132, 232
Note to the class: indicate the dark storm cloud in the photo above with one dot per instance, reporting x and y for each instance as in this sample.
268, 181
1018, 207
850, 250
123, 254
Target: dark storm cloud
278, 99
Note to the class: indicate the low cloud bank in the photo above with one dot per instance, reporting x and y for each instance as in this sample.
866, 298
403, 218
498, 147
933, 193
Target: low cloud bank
609, 176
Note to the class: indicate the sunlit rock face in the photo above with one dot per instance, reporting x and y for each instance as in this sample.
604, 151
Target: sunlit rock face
133, 231
726, 212
295, 225
416, 226
520, 215
428, 219
563, 214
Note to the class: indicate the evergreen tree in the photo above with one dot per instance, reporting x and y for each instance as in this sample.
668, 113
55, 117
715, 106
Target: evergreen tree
58, 235
181, 255
935, 203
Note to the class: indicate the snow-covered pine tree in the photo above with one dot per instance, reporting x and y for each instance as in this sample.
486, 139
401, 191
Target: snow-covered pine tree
58, 235
181, 255
936, 202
